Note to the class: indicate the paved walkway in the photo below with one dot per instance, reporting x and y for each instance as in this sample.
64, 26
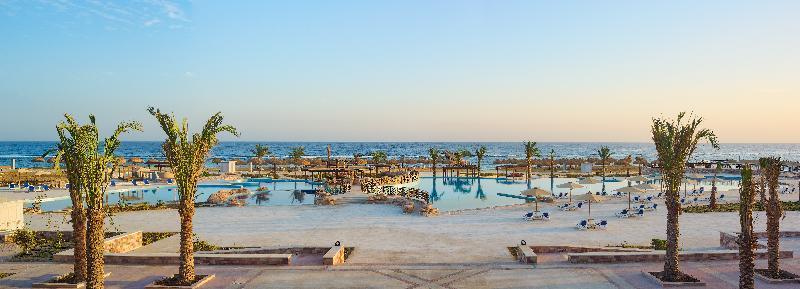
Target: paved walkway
618, 276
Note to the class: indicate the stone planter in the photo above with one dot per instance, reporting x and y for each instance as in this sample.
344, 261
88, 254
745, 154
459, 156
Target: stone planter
672, 284
197, 284
776, 281
63, 285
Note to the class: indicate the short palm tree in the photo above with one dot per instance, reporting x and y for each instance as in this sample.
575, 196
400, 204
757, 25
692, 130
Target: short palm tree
712, 201
480, 153
78, 150
261, 151
379, 157
747, 239
605, 155
90, 163
297, 153
531, 151
186, 156
772, 170
675, 142
434, 155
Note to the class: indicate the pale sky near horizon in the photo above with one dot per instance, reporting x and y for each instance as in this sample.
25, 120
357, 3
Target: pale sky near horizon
404, 70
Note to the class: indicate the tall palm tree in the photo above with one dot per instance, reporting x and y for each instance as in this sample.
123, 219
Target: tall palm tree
641, 161
480, 153
552, 156
187, 156
747, 239
89, 164
78, 145
675, 142
772, 171
261, 151
531, 151
434, 155
762, 165
605, 154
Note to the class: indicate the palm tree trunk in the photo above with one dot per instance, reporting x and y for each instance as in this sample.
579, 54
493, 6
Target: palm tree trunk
529, 169
712, 203
94, 244
747, 240
773, 236
79, 242
603, 171
186, 274
671, 265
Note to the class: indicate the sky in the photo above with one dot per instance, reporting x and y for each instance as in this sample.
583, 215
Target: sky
427, 70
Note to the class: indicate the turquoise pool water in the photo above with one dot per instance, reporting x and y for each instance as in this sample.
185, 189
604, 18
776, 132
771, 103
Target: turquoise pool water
449, 194
280, 194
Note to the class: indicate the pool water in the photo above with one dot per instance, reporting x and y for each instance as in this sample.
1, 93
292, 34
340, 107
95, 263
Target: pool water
448, 194
281, 193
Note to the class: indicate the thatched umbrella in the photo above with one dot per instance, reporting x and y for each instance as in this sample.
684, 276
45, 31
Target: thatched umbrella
589, 181
570, 186
38, 160
630, 190
217, 160
646, 187
589, 197
137, 160
686, 183
536, 193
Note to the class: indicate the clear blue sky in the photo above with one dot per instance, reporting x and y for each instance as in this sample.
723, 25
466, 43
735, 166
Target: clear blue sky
405, 70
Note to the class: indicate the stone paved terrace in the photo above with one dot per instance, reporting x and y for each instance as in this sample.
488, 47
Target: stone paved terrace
620, 276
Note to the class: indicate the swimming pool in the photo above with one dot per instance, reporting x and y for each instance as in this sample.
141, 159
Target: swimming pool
448, 194
281, 193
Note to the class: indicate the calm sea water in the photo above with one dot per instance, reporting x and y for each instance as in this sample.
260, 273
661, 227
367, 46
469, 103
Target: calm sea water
24, 152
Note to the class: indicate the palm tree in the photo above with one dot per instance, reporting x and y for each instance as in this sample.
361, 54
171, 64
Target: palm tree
627, 161
712, 201
76, 148
187, 156
435, 155
605, 154
772, 171
762, 164
480, 153
531, 151
357, 158
90, 163
641, 161
379, 157
675, 141
747, 239
261, 151
552, 156
297, 153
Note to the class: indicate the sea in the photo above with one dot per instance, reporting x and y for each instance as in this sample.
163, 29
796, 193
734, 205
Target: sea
25, 151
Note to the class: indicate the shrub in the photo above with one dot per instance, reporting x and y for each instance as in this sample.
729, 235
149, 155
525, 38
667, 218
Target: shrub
659, 244
26, 239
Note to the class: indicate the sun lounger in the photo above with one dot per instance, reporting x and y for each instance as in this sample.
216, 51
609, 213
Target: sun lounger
651, 207
602, 225
639, 213
528, 216
622, 214
583, 225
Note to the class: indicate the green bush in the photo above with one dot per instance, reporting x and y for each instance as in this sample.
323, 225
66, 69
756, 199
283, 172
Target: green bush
659, 244
26, 239
734, 207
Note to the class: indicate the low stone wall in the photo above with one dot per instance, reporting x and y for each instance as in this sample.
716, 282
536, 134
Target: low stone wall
122, 243
545, 249
658, 256
728, 239
334, 256
199, 259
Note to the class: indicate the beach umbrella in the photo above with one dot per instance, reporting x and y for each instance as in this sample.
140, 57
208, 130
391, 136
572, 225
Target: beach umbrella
589, 181
537, 193
696, 176
570, 186
646, 186
137, 160
638, 179
589, 197
38, 160
216, 160
629, 190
